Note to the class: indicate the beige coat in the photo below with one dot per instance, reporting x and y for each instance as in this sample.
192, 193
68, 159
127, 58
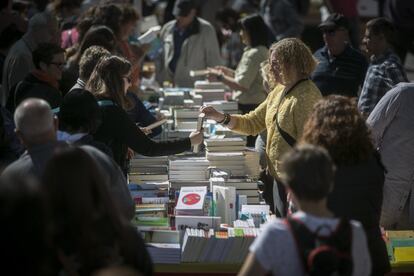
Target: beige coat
199, 51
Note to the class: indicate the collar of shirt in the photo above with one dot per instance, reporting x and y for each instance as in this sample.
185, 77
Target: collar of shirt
331, 58
193, 28
382, 57
81, 83
65, 136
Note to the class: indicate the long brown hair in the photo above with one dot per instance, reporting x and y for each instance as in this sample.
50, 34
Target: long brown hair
86, 221
337, 125
107, 81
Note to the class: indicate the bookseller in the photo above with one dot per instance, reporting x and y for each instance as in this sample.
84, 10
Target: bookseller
301, 244
286, 108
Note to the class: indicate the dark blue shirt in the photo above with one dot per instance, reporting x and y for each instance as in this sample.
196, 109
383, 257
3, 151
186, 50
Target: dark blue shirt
342, 74
179, 37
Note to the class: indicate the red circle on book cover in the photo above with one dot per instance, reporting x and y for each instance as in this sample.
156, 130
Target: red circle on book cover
191, 199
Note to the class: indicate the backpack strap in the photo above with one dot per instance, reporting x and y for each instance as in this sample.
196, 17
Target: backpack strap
304, 238
286, 136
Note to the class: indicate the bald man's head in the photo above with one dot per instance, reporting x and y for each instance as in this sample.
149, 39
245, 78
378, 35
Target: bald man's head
35, 122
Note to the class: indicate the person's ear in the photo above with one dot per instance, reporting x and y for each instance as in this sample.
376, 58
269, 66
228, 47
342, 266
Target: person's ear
20, 136
43, 66
193, 12
55, 123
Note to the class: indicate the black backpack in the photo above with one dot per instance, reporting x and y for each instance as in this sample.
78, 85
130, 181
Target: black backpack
324, 255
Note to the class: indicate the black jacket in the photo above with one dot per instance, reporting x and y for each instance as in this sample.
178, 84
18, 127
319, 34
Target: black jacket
32, 87
357, 195
119, 132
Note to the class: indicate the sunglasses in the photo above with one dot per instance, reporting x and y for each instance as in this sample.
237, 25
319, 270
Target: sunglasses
332, 31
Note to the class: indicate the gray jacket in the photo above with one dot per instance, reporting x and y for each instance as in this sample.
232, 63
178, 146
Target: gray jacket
199, 51
17, 65
392, 123
33, 162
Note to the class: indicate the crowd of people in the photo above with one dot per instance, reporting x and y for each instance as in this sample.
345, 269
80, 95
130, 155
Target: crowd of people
333, 127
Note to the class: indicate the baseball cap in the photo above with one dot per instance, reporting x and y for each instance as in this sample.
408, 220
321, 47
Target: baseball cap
335, 21
183, 7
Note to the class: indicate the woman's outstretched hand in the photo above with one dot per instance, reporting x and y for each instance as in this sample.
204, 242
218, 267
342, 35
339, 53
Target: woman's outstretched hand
212, 113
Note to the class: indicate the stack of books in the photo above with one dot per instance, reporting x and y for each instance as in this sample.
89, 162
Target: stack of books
205, 84
232, 162
173, 96
163, 246
150, 192
234, 144
164, 253
185, 115
188, 169
237, 163
400, 246
252, 163
143, 161
230, 107
210, 91
151, 216
230, 246
148, 173
244, 186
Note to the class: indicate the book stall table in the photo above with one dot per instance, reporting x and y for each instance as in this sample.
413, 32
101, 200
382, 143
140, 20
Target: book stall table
184, 200
232, 269
400, 246
196, 268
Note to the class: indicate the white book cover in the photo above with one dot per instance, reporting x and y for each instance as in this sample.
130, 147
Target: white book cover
191, 198
225, 199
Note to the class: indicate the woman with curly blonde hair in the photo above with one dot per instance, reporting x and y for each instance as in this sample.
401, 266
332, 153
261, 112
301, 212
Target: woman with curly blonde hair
337, 125
285, 109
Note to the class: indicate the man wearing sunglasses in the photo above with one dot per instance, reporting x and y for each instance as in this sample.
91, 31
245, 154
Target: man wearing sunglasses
341, 69
43, 81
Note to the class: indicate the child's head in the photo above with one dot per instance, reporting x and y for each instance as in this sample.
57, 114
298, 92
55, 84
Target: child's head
308, 172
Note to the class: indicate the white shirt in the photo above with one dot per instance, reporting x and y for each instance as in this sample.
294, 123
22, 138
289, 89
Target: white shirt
276, 251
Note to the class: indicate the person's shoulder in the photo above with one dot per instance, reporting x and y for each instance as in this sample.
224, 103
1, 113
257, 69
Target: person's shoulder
204, 23
307, 89
169, 25
205, 26
257, 51
96, 154
21, 166
275, 227
320, 51
357, 54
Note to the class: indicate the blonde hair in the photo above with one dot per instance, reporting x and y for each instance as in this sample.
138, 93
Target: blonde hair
268, 78
294, 57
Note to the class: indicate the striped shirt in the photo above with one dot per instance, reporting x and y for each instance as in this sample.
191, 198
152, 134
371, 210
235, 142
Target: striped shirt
384, 72
342, 74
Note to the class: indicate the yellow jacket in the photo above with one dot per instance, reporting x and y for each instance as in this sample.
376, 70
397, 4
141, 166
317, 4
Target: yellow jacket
293, 113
